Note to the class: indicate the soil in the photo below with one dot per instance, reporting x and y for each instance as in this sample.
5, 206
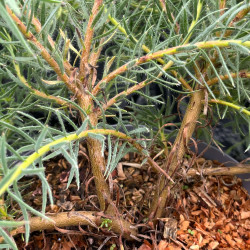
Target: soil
204, 212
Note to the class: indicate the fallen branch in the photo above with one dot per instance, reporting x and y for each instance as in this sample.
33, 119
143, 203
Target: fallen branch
234, 170
76, 218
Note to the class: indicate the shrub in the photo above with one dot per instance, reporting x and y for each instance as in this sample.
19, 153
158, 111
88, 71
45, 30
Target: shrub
83, 64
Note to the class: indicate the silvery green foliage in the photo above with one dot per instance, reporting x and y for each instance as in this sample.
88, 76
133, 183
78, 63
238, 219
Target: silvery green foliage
28, 121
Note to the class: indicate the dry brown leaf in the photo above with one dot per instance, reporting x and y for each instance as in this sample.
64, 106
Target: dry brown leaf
121, 174
181, 218
193, 197
172, 247
200, 238
170, 227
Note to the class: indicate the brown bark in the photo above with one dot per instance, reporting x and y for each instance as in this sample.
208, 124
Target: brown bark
239, 169
178, 150
95, 154
76, 218
97, 165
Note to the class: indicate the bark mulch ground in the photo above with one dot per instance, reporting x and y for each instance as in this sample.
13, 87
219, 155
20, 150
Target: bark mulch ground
201, 213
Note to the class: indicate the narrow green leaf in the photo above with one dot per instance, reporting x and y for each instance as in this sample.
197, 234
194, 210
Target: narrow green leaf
83, 126
109, 168
69, 158
58, 114
11, 24
49, 18
7, 223
98, 16
139, 130
74, 171
3, 154
8, 239
17, 130
24, 212
14, 6
41, 138
225, 66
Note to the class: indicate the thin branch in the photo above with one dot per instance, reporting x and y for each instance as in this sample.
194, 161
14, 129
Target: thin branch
238, 17
178, 150
88, 39
68, 67
169, 51
231, 105
147, 50
233, 170
127, 92
44, 53
222, 6
77, 218
37, 92
72, 137
242, 74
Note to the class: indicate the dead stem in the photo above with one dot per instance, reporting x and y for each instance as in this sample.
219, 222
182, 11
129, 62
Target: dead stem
237, 18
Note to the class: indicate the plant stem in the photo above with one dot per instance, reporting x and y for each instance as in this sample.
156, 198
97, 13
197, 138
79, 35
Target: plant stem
44, 53
68, 67
241, 74
238, 17
169, 51
77, 218
178, 150
37, 92
88, 40
231, 105
147, 49
97, 160
233, 170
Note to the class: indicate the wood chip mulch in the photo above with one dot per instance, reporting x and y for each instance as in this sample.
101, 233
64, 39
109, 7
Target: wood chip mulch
201, 213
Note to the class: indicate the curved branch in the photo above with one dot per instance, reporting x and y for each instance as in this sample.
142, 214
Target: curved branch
8, 180
38, 28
